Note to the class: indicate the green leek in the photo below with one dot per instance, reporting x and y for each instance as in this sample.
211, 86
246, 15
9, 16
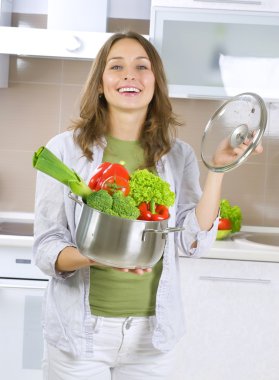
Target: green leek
45, 161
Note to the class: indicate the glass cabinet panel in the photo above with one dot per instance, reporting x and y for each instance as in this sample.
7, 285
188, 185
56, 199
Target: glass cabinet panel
216, 54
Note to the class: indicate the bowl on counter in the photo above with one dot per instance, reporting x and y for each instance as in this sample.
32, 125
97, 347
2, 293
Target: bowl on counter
223, 234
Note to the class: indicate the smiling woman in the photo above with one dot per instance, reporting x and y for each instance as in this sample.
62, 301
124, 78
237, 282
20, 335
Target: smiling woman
103, 322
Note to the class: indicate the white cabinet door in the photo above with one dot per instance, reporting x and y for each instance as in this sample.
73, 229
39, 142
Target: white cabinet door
232, 314
5, 20
252, 5
21, 342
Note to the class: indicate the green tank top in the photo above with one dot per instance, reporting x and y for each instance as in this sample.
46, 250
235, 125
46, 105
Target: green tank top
120, 294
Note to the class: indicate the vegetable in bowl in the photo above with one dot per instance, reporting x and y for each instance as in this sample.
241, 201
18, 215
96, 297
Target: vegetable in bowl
45, 161
152, 195
116, 204
106, 193
232, 213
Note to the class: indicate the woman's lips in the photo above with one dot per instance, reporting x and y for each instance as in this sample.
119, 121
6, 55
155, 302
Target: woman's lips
129, 90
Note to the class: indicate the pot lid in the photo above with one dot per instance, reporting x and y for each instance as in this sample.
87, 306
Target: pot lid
241, 121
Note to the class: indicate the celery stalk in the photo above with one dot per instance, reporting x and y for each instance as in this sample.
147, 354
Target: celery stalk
45, 161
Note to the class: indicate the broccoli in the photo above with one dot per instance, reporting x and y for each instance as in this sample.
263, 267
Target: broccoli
100, 200
148, 187
124, 207
116, 205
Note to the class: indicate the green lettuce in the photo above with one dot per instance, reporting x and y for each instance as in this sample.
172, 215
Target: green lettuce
233, 213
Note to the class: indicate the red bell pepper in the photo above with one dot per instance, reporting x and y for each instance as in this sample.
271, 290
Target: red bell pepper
97, 174
145, 213
116, 183
161, 213
104, 171
148, 211
115, 170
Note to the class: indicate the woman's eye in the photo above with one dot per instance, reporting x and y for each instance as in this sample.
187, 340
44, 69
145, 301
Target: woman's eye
142, 67
116, 67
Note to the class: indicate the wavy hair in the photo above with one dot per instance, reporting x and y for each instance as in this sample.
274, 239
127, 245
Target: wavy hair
158, 129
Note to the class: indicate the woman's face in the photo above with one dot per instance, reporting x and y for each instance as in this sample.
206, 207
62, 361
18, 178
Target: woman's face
128, 81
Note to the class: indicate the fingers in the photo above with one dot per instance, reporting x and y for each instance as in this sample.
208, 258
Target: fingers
238, 151
141, 271
258, 149
138, 271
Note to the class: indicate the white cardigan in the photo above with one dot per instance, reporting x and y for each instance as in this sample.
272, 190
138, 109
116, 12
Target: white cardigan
67, 317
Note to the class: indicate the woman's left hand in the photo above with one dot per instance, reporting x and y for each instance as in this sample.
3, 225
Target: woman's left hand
138, 271
225, 154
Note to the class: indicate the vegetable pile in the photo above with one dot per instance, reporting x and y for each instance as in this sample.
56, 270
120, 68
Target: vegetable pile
151, 194
230, 217
111, 189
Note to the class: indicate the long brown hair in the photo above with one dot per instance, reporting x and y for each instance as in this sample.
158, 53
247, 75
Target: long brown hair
159, 127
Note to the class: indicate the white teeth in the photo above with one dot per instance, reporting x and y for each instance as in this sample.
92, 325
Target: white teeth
129, 89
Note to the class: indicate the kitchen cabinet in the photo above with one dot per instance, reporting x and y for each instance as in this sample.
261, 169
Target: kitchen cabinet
51, 43
22, 287
21, 348
232, 313
5, 20
217, 53
252, 5
82, 15
48, 43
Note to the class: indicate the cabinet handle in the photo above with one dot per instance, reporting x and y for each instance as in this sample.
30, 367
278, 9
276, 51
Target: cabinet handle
252, 2
236, 279
6, 286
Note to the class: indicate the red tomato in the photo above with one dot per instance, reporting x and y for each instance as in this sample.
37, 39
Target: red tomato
116, 183
224, 224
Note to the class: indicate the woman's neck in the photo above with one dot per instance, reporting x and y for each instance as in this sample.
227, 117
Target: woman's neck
126, 125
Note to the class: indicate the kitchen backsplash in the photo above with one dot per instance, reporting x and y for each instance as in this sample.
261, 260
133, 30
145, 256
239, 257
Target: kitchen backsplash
43, 97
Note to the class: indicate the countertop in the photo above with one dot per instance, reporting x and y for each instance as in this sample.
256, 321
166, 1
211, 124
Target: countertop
242, 250
235, 248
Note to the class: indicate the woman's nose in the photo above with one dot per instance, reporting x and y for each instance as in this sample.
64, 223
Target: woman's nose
129, 76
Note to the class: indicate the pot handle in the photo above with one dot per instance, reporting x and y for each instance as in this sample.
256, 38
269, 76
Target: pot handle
73, 198
163, 232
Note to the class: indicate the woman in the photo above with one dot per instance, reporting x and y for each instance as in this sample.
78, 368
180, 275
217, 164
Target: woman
107, 323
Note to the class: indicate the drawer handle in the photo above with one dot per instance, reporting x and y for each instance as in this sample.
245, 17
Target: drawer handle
236, 279
249, 2
6, 286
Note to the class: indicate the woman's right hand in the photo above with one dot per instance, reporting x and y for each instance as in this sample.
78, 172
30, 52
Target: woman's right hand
70, 259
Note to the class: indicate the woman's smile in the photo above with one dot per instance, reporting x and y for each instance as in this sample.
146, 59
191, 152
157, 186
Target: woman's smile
129, 90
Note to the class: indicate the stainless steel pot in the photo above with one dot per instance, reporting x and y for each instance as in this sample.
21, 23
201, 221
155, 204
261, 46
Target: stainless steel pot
119, 242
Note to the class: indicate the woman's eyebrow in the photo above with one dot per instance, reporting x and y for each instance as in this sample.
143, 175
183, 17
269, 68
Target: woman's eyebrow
137, 58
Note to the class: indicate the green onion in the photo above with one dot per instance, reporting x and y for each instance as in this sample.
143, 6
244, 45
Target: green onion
45, 161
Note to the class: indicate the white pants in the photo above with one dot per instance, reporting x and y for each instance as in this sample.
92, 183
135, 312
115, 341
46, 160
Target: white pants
122, 351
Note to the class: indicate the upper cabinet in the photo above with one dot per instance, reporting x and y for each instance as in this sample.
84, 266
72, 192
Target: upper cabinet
51, 43
5, 20
248, 5
75, 29
217, 53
